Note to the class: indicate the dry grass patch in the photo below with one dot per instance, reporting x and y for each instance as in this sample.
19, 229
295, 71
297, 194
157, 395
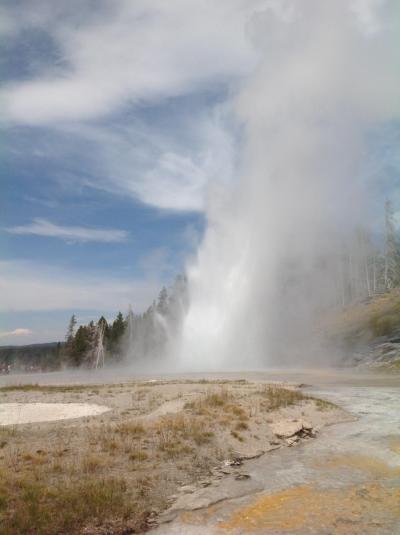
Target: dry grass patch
237, 411
30, 506
211, 400
134, 428
361, 323
277, 397
241, 426
180, 434
237, 435
91, 463
138, 456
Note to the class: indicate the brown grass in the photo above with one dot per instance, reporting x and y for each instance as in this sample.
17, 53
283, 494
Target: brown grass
65, 478
277, 397
211, 400
37, 507
131, 428
363, 322
237, 435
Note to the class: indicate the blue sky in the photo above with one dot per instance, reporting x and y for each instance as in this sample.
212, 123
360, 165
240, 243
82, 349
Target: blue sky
116, 124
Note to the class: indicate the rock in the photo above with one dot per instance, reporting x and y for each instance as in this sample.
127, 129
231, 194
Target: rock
226, 471
188, 489
232, 462
286, 428
291, 428
306, 425
241, 477
245, 456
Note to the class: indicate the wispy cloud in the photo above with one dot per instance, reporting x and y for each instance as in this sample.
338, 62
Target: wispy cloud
15, 332
114, 59
169, 169
117, 55
42, 227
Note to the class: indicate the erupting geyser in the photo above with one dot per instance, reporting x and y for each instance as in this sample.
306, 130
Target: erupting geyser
270, 263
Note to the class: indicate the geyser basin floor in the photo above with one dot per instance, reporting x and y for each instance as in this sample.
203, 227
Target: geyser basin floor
346, 482
27, 413
127, 463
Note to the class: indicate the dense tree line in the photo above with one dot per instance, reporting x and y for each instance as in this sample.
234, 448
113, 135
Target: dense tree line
31, 358
82, 345
131, 337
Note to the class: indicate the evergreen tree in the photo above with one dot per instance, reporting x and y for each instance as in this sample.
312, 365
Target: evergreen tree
162, 304
69, 338
80, 346
71, 329
116, 334
118, 327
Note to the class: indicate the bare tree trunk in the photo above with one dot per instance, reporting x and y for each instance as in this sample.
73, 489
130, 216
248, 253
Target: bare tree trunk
367, 279
374, 274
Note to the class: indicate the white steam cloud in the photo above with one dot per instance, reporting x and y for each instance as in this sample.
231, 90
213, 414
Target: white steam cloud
266, 269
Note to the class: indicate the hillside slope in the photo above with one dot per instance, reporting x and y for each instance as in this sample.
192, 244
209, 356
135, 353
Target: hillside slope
369, 332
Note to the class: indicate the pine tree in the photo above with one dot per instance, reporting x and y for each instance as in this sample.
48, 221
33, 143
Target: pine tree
69, 338
162, 304
80, 346
71, 329
115, 335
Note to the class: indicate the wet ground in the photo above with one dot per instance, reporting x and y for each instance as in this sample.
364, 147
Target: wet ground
346, 482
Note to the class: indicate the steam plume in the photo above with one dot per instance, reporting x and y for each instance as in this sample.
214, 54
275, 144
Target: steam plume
268, 266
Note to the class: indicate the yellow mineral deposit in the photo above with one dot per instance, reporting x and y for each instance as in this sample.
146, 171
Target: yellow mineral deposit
308, 507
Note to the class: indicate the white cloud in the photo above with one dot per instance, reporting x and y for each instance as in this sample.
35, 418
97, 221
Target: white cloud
42, 227
125, 54
15, 332
29, 286
168, 175
168, 167
131, 52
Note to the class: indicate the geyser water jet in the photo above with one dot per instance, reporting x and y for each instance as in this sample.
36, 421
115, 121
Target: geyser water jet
270, 263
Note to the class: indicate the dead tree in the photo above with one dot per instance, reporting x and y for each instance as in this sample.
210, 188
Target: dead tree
99, 348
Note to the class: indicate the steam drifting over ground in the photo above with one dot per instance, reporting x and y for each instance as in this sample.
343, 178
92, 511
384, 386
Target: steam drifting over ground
270, 262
